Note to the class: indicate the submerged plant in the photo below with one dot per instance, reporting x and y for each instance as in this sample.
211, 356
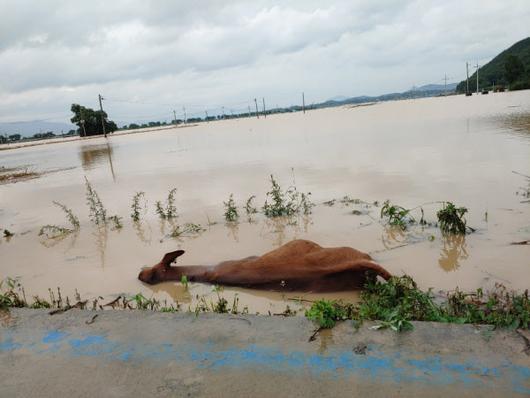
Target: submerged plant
168, 211
116, 221
136, 206
98, 213
54, 231
11, 294
279, 203
231, 209
249, 207
188, 228
305, 203
396, 215
451, 219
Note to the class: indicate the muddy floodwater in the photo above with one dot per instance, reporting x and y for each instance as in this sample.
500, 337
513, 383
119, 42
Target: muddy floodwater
458, 149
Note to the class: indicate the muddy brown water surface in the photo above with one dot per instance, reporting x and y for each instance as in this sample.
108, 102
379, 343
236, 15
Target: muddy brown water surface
411, 152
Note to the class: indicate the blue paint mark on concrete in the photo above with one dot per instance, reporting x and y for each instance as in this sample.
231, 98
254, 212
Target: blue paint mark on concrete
54, 336
92, 345
7, 344
398, 367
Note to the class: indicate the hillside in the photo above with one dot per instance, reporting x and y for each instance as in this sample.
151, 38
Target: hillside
494, 72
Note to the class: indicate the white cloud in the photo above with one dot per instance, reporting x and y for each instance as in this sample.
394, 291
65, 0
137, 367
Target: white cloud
164, 53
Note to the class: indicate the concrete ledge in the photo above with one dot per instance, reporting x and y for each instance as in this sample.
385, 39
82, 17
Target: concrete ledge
136, 353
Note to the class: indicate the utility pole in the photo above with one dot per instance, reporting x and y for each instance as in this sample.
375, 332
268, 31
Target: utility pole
175, 116
256, 102
249, 111
477, 76
467, 78
303, 102
206, 112
264, 112
102, 115
445, 84
223, 112
185, 118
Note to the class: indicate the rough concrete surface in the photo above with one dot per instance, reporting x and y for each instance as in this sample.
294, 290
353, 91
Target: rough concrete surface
136, 354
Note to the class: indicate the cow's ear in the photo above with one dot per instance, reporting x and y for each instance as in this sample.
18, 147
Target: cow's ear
170, 257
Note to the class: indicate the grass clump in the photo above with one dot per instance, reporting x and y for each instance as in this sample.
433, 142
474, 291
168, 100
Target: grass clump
8, 234
168, 211
280, 203
54, 231
231, 213
98, 213
136, 206
451, 219
326, 313
398, 302
186, 229
396, 215
10, 295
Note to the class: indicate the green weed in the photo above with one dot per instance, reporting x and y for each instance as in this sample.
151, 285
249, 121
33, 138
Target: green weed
396, 215
70, 216
136, 207
398, 302
168, 211
98, 213
249, 206
280, 203
231, 213
186, 229
451, 219
326, 313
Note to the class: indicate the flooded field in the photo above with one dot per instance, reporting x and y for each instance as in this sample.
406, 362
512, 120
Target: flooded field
458, 149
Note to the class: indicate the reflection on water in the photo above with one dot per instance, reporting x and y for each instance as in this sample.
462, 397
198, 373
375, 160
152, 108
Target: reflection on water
93, 156
101, 236
392, 235
454, 249
143, 231
518, 123
176, 291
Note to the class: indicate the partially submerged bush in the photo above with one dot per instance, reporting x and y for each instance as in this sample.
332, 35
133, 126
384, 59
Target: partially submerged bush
396, 215
231, 213
136, 207
186, 229
98, 213
286, 203
399, 301
168, 211
451, 219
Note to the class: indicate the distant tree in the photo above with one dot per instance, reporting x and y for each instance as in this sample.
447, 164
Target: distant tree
14, 137
514, 68
133, 126
3, 139
91, 120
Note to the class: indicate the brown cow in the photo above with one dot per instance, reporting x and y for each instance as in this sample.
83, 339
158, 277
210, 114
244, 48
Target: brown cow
299, 265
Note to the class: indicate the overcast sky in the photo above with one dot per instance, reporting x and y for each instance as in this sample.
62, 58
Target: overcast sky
150, 57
